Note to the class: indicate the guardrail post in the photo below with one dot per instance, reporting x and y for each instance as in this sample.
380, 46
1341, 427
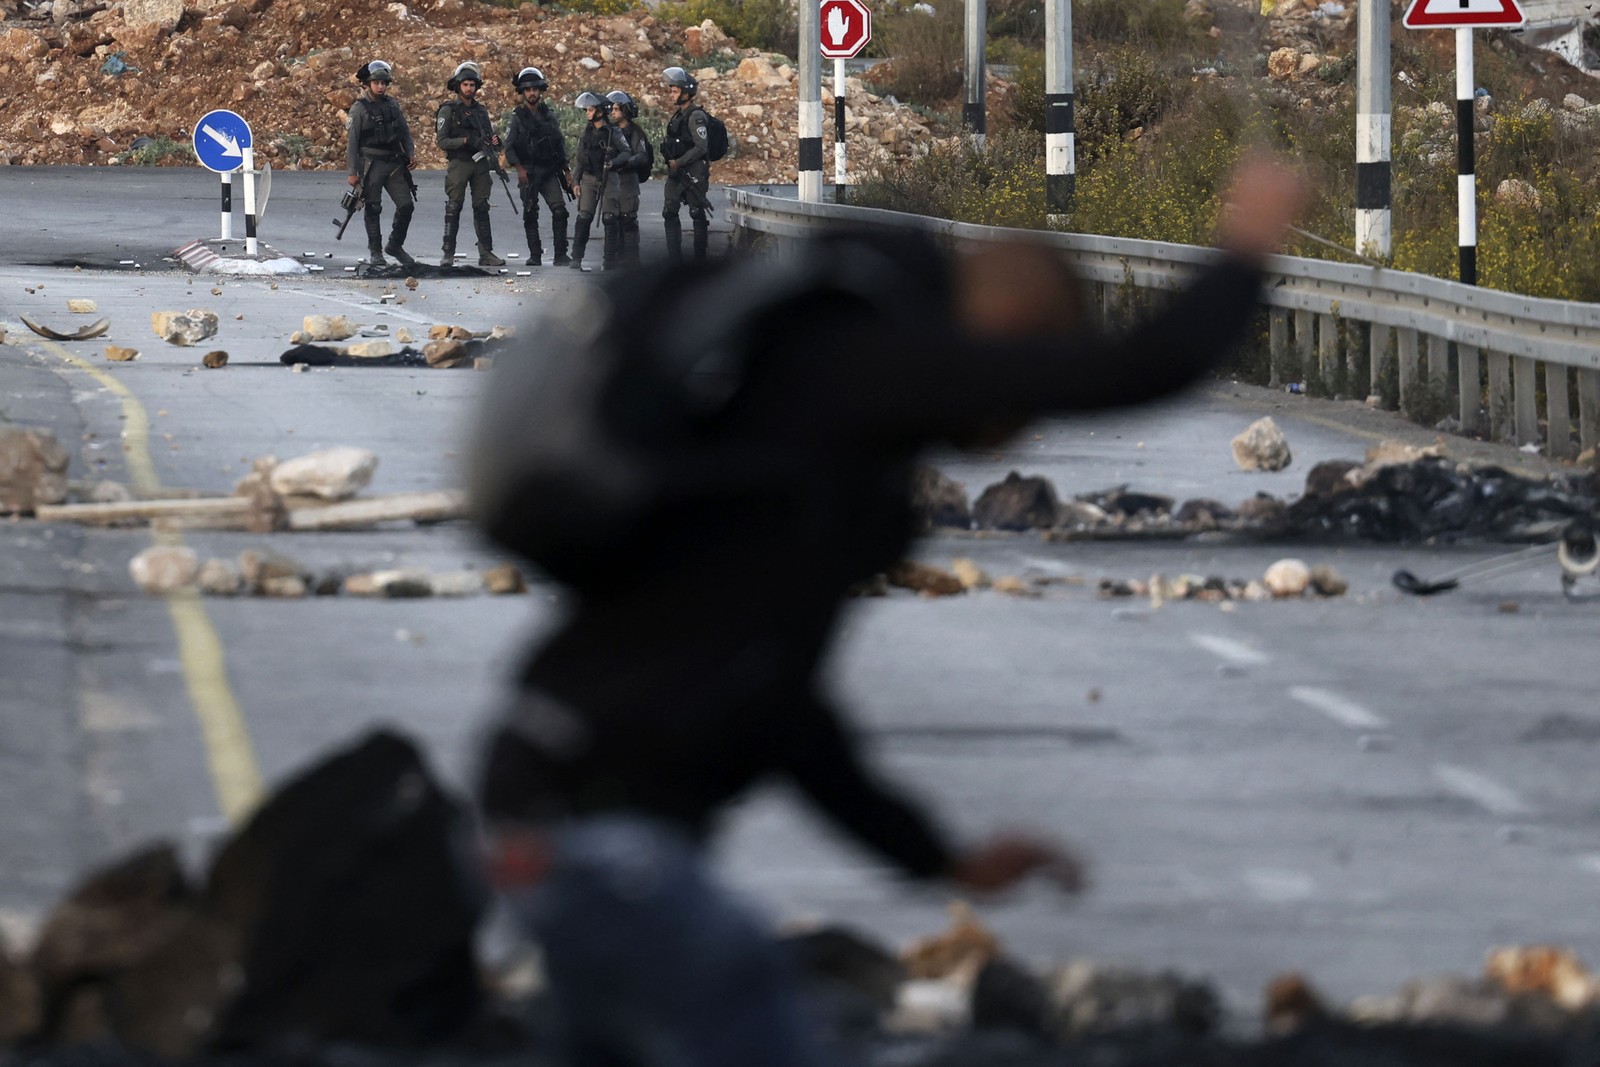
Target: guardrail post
1277, 346
1557, 412
1328, 353
1469, 388
1499, 396
1438, 365
1406, 367
1378, 358
1304, 343
1589, 408
1524, 397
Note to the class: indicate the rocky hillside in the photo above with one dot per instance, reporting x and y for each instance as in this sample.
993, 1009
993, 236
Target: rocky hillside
82, 80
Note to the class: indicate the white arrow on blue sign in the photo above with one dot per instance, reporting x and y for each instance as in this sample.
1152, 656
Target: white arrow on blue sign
220, 138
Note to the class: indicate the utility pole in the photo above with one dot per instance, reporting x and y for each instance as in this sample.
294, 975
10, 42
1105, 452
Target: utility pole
810, 162
1060, 126
972, 113
1374, 131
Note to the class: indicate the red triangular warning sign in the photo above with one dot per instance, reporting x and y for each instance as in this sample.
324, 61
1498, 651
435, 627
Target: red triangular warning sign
1462, 14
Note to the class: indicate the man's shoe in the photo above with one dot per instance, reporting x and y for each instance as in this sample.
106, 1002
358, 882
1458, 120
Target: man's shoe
375, 258
577, 264
400, 254
562, 260
447, 260
489, 259
535, 261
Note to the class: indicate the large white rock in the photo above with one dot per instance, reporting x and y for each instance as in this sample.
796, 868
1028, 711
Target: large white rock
1261, 447
33, 469
184, 327
1287, 577
332, 474
163, 568
328, 327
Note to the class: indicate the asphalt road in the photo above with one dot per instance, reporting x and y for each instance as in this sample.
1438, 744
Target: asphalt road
1363, 789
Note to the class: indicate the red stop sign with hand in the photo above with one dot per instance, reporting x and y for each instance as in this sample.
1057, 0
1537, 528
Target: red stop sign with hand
846, 28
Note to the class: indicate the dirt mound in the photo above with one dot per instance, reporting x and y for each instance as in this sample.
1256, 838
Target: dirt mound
81, 84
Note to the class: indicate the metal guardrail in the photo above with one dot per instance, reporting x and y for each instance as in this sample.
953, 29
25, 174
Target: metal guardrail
1507, 366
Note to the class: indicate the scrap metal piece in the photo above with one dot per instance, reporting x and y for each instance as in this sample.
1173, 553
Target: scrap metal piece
83, 333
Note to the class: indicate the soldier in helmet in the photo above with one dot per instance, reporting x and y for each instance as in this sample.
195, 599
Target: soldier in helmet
598, 146
378, 155
466, 134
619, 201
688, 169
535, 146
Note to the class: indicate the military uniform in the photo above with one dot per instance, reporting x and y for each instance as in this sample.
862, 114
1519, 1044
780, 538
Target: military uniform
596, 148
378, 151
619, 201
534, 143
691, 182
466, 134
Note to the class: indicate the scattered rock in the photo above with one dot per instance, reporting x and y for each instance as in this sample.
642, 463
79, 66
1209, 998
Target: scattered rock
504, 579
1018, 503
82, 307
33, 470
118, 354
1287, 578
969, 574
445, 354
184, 327
925, 579
394, 584
327, 328
1261, 447
265, 570
331, 474
217, 578
369, 349
1090, 998
1326, 581
164, 568
1292, 1005
214, 360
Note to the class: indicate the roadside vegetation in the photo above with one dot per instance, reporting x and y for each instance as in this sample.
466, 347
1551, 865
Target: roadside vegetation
1163, 110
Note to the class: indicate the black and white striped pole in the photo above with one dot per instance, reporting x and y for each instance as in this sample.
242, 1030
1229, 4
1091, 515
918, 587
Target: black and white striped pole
1374, 133
1466, 164
972, 112
227, 206
248, 170
838, 126
810, 161
1060, 129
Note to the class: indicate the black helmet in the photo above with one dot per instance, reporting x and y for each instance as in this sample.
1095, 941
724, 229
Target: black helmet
587, 99
625, 102
466, 72
375, 71
530, 78
681, 79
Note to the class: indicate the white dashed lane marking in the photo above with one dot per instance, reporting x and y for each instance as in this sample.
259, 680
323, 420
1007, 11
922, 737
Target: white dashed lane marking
1232, 651
1485, 792
1343, 711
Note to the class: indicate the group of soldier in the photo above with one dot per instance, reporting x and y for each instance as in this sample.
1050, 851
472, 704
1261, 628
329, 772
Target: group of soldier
613, 156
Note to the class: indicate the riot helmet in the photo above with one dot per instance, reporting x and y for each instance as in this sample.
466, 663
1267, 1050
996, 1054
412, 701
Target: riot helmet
530, 78
588, 100
466, 72
679, 78
375, 71
625, 102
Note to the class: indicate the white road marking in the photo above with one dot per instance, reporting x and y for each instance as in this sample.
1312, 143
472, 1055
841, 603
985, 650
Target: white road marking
1343, 711
1280, 887
1485, 792
1230, 650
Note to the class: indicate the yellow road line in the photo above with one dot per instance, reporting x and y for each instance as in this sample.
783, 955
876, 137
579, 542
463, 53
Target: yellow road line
230, 755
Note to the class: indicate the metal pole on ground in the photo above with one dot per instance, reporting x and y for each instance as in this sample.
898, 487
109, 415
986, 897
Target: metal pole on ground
227, 207
249, 201
1466, 165
972, 112
838, 128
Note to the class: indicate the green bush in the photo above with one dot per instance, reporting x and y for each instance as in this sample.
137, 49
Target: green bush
1000, 184
770, 25
927, 51
160, 152
1145, 23
1119, 91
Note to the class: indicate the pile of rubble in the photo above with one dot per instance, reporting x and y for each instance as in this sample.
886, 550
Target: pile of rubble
334, 926
84, 80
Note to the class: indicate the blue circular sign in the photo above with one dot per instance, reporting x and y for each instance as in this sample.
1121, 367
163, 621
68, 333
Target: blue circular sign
220, 138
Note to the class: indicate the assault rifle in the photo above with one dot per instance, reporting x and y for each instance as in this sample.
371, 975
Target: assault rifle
565, 177
351, 201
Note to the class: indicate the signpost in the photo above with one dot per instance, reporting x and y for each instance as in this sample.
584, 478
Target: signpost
222, 143
846, 29
1463, 16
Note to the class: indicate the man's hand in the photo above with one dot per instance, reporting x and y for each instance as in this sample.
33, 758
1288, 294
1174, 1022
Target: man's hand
495, 140
522, 174
411, 163
672, 166
1263, 198
1008, 858
354, 180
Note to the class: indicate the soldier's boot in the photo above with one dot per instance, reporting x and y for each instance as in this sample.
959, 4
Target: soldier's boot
702, 234
397, 237
375, 240
613, 242
580, 240
452, 226
530, 230
480, 225
558, 235
630, 240
674, 230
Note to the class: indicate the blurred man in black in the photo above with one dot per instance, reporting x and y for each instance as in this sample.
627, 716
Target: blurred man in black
688, 666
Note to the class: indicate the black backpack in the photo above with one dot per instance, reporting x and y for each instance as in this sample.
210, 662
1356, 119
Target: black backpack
645, 169
716, 137
612, 423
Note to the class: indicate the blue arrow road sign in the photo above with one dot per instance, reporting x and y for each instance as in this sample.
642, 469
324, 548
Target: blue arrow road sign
220, 139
